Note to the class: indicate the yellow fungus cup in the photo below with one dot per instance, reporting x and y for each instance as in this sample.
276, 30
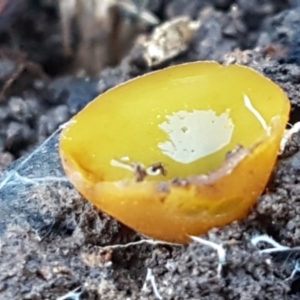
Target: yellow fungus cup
179, 151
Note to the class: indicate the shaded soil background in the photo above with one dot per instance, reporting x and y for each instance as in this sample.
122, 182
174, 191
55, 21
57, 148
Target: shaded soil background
54, 242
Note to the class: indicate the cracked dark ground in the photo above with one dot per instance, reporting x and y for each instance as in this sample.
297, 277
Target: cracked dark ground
54, 242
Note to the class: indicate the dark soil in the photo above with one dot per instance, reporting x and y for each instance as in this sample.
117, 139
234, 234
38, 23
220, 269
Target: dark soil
53, 242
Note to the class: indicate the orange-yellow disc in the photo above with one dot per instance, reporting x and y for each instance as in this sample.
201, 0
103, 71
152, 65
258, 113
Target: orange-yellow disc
178, 151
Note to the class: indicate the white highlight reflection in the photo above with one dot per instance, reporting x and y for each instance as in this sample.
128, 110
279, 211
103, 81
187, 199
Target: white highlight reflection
193, 135
259, 117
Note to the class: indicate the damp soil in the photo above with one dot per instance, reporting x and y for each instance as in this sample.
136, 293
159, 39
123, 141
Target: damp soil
56, 245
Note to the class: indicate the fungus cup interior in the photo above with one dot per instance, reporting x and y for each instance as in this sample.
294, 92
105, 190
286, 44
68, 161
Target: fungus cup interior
178, 151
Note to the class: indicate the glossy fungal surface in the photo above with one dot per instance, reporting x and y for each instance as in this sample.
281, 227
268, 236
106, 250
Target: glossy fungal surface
178, 151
